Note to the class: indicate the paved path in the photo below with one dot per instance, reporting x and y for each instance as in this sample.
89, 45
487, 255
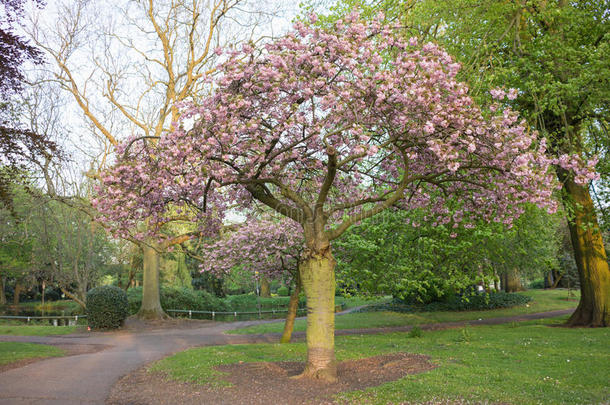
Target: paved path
88, 378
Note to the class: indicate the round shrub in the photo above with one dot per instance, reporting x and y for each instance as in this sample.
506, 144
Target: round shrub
107, 307
283, 291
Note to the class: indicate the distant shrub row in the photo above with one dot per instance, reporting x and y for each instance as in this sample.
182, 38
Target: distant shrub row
200, 300
473, 302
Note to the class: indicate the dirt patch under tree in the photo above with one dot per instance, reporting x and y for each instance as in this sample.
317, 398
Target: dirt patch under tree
267, 383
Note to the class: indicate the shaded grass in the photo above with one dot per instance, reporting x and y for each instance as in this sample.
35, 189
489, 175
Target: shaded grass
543, 300
15, 351
525, 363
17, 328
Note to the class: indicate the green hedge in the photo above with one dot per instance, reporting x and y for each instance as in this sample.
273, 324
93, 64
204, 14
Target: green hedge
107, 307
474, 302
179, 298
249, 302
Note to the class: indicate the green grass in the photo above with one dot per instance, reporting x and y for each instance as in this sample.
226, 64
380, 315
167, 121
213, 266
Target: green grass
524, 363
356, 301
543, 300
14, 351
20, 329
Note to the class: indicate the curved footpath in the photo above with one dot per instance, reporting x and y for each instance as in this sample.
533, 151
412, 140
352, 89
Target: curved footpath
88, 378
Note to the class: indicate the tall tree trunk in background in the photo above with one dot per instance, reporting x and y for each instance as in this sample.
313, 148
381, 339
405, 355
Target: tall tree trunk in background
293, 306
590, 256
2, 294
151, 295
318, 280
18, 289
511, 281
548, 279
265, 289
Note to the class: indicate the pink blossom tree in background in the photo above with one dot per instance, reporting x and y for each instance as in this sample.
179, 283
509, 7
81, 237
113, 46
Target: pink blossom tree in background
329, 127
133, 205
265, 248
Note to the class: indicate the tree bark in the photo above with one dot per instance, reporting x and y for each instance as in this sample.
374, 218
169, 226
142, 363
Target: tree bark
512, 281
293, 306
2, 294
590, 256
18, 289
265, 289
318, 280
151, 295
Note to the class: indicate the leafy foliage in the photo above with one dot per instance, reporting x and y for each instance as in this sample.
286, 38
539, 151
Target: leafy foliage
179, 298
402, 254
107, 307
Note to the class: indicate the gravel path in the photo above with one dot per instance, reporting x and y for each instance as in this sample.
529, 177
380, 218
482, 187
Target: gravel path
88, 378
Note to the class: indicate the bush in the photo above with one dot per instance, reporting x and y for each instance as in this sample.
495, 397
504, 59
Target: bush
477, 302
472, 302
538, 284
179, 298
249, 302
283, 291
107, 307
185, 298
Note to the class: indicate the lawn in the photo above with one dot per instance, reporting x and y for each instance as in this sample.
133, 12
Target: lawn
20, 329
543, 300
525, 363
14, 351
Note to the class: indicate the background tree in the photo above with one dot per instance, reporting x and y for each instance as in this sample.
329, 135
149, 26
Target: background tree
19, 146
265, 248
127, 65
404, 254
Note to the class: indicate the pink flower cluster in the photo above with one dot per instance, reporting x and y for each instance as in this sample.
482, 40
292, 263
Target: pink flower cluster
264, 247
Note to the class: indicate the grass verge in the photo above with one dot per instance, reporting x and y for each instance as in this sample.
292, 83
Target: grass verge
526, 363
15, 351
543, 300
19, 329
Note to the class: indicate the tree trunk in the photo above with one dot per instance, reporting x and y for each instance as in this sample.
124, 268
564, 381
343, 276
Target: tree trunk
18, 289
74, 298
549, 279
512, 281
318, 280
293, 306
590, 256
2, 294
265, 290
151, 295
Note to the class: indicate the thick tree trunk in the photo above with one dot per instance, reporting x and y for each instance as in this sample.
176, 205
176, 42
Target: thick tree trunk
293, 306
590, 256
151, 295
512, 281
265, 289
549, 279
18, 289
2, 294
318, 280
